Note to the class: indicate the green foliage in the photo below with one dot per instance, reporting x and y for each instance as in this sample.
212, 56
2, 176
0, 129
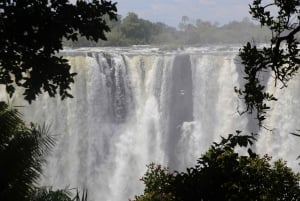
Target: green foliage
22, 152
48, 194
223, 174
280, 58
22, 155
157, 182
133, 30
31, 34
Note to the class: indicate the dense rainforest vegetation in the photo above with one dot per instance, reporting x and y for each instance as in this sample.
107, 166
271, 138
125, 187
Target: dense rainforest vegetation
132, 30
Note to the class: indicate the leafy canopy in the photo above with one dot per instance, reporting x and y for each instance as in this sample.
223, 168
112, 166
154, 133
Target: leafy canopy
31, 34
224, 174
280, 58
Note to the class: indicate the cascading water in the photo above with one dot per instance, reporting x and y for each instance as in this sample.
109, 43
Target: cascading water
141, 105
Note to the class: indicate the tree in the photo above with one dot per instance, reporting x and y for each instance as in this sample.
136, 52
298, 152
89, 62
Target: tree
48, 194
22, 152
136, 29
157, 182
280, 58
31, 35
224, 174
184, 22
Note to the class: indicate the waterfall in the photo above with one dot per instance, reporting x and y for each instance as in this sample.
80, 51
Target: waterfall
139, 105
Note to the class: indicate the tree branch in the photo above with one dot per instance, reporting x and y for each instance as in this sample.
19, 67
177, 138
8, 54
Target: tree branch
282, 38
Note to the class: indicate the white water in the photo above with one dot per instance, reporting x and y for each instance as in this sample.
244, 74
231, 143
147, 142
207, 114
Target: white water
136, 106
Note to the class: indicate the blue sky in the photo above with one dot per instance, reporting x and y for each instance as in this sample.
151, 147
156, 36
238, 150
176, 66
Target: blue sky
171, 11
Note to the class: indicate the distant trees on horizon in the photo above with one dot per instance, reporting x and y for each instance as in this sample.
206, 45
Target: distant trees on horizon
133, 30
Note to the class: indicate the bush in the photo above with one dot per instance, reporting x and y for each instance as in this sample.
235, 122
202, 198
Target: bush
223, 174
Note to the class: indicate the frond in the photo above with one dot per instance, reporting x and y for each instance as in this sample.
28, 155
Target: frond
22, 153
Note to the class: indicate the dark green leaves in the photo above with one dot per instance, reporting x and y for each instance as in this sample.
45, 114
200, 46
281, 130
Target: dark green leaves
22, 152
31, 34
224, 174
48, 194
279, 60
